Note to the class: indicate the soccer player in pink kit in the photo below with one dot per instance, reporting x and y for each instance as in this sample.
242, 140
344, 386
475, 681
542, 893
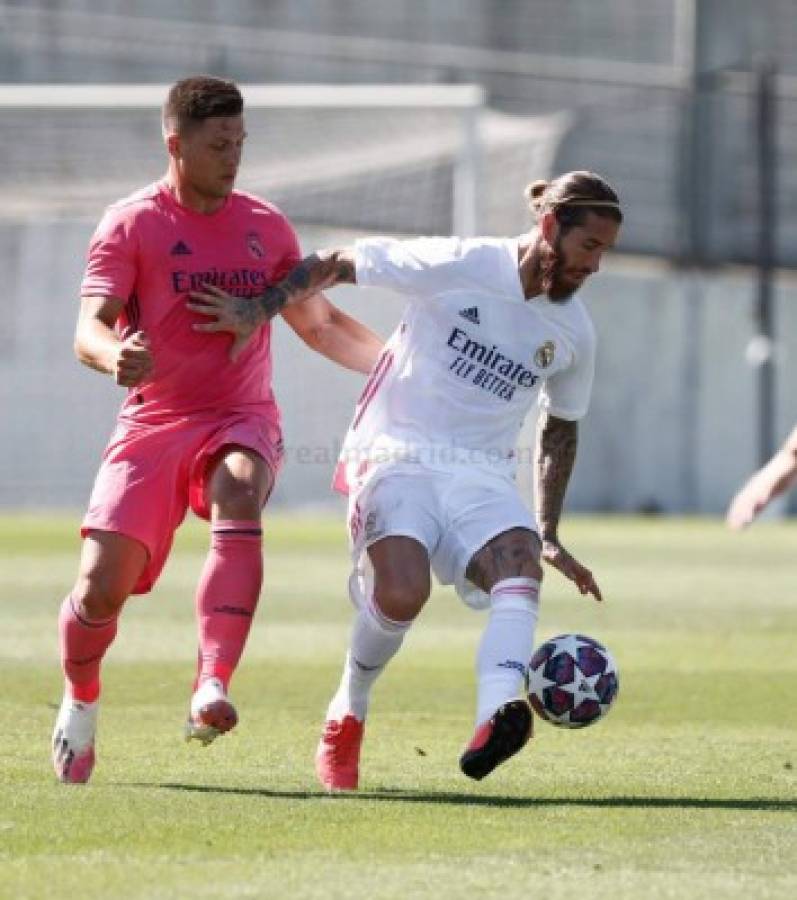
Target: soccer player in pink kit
491, 327
200, 426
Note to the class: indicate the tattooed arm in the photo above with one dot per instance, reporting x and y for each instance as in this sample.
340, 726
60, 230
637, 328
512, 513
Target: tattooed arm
557, 440
242, 316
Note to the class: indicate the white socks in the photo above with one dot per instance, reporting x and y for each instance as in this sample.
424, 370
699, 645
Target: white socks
501, 662
375, 640
506, 644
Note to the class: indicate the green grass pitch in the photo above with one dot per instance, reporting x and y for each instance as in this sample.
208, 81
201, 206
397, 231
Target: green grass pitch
688, 789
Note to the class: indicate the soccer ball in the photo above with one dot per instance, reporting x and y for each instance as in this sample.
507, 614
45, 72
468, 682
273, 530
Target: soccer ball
573, 681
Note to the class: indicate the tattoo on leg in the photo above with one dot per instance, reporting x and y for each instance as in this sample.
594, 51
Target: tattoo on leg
510, 555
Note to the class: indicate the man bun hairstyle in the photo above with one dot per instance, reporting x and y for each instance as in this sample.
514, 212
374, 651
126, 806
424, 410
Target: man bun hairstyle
572, 197
534, 192
197, 98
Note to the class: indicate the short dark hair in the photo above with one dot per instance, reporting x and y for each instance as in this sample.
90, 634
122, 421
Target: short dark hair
572, 196
200, 97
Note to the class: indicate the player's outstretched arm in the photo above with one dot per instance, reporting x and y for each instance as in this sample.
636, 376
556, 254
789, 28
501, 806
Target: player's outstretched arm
557, 440
98, 346
242, 316
332, 333
772, 480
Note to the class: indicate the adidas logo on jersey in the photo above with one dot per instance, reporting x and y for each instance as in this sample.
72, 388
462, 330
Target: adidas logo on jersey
181, 249
471, 314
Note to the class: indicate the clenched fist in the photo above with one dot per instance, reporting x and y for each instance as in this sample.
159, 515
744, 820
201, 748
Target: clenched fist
133, 361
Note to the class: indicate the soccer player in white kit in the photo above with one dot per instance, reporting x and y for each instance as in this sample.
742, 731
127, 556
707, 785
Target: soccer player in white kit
491, 327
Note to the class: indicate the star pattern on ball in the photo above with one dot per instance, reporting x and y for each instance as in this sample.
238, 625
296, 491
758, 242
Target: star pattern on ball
572, 680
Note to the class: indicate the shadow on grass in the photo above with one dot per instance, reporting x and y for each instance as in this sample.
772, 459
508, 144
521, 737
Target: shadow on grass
456, 799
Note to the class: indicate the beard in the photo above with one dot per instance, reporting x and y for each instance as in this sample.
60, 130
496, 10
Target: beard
552, 268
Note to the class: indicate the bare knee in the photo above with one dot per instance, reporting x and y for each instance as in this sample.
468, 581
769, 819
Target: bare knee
97, 597
239, 485
402, 579
238, 500
110, 566
402, 597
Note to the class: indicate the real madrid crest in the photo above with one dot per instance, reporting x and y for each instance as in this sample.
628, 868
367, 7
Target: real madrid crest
255, 246
543, 355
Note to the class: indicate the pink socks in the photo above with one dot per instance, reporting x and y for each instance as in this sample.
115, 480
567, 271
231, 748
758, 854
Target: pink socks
227, 596
226, 600
83, 645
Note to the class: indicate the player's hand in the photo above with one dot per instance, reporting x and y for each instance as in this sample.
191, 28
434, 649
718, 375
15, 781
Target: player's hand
133, 361
556, 555
744, 509
237, 316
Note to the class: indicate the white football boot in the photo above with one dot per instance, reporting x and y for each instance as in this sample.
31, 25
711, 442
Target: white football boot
211, 713
73, 740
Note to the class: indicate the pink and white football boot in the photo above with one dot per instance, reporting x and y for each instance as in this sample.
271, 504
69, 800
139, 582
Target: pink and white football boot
211, 713
73, 740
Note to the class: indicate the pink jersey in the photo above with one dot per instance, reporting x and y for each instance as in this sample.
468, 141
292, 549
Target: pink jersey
151, 251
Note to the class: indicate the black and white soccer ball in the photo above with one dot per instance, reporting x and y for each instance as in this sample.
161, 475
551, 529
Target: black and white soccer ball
573, 681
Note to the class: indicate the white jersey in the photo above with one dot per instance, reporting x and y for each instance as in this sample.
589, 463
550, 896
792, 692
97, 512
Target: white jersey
468, 359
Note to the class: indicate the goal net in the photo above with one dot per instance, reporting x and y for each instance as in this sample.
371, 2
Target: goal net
69, 149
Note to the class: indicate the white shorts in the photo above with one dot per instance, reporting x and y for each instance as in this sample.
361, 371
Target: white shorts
453, 512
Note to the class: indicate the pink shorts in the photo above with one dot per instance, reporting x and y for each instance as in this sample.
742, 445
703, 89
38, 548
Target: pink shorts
150, 474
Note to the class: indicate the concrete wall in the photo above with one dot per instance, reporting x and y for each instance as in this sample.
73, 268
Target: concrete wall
594, 62
671, 425
673, 420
